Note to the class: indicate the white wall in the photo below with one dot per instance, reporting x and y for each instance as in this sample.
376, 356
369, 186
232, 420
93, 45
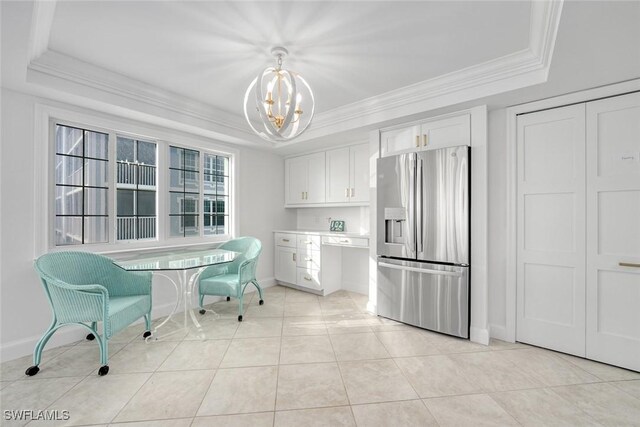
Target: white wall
356, 218
24, 311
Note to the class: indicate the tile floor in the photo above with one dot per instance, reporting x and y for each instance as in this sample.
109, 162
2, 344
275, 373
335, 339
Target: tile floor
302, 360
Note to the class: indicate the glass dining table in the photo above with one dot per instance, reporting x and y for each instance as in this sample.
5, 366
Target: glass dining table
188, 265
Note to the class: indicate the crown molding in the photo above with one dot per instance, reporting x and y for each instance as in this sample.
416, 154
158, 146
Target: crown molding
517, 70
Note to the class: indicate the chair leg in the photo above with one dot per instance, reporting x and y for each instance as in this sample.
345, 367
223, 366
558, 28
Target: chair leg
147, 324
91, 336
201, 303
259, 288
103, 342
240, 308
37, 352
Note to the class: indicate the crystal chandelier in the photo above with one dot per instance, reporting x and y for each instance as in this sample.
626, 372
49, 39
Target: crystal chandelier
280, 100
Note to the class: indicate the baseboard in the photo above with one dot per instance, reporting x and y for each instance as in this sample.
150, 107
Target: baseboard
68, 335
480, 336
372, 308
498, 332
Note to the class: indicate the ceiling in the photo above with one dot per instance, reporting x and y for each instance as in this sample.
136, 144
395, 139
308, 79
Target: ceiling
347, 51
185, 65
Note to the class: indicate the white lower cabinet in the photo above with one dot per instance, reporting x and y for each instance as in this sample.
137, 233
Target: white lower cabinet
308, 278
299, 257
286, 267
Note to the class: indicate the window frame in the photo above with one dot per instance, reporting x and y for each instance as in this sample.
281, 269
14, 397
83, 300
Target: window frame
46, 118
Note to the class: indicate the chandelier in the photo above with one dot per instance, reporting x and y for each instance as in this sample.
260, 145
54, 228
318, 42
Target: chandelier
280, 100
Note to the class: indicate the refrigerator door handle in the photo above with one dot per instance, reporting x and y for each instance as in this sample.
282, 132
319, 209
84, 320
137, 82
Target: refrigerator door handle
419, 215
419, 270
411, 226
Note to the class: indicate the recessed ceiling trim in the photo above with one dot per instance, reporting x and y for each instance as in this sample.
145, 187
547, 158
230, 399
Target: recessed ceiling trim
517, 70
41, 23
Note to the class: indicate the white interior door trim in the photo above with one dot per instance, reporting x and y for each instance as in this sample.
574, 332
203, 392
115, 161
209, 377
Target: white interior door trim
509, 331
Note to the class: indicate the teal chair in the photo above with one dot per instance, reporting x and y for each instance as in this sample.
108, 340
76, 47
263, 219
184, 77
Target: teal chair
231, 279
86, 288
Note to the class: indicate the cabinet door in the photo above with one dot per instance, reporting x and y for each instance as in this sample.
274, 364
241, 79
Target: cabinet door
399, 140
359, 173
286, 264
296, 179
450, 132
315, 173
337, 178
613, 231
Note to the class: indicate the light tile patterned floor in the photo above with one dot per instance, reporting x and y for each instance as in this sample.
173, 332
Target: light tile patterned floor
302, 360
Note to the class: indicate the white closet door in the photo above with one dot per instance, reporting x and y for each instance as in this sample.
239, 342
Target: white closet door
551, 229
613, 230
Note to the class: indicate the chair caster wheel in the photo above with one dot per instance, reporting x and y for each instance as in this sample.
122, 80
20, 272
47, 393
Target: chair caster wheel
104, 370
261, 302
146, 334
203, 311
91, 337
240, 318
32, 370
228, 298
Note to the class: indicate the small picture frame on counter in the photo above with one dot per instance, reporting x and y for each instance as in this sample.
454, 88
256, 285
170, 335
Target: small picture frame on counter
336, 225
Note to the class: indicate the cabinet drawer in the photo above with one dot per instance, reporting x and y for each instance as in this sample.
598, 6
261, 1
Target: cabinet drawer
346, 241
309, 279
309, 259
286, 239
308, 242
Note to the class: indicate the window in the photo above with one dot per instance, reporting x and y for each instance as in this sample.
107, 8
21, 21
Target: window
106, 190
81, 186
136, 189
216, 194
184, 193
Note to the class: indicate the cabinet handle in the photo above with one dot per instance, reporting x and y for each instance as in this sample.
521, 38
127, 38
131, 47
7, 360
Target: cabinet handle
425, 140
353, 192
306, 195
302, 196
629, 264
417, 140
346, 192
307, 278
308, 259
344, 241
294, 256
309, 242
285, 240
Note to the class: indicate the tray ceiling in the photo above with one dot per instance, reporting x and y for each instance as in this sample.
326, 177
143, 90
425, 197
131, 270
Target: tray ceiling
348, 51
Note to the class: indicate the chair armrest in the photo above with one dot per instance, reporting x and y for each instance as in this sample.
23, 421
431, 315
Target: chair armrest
77, 303
128, 283
247, 270
213, 270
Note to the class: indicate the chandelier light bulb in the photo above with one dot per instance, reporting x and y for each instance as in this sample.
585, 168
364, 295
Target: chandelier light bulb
273, 102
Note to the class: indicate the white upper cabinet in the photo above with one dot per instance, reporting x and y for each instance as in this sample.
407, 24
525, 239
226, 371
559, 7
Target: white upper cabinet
448, 132
348, 174
359, 173
305, 179
339, 176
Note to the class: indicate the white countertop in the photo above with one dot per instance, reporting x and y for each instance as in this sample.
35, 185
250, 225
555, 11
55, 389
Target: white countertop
325, 233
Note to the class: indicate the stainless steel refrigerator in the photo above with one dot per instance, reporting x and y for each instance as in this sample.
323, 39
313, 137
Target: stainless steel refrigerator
423, 239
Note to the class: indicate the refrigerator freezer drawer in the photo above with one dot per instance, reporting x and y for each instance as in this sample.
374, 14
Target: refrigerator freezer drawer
430, 296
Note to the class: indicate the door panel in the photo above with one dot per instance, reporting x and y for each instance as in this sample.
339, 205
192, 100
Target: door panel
338, 175
449, 132
359, 173
315, 178
399, 140
551, 229
613, 231
285, 270
296, 179
431, 296
442, 218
